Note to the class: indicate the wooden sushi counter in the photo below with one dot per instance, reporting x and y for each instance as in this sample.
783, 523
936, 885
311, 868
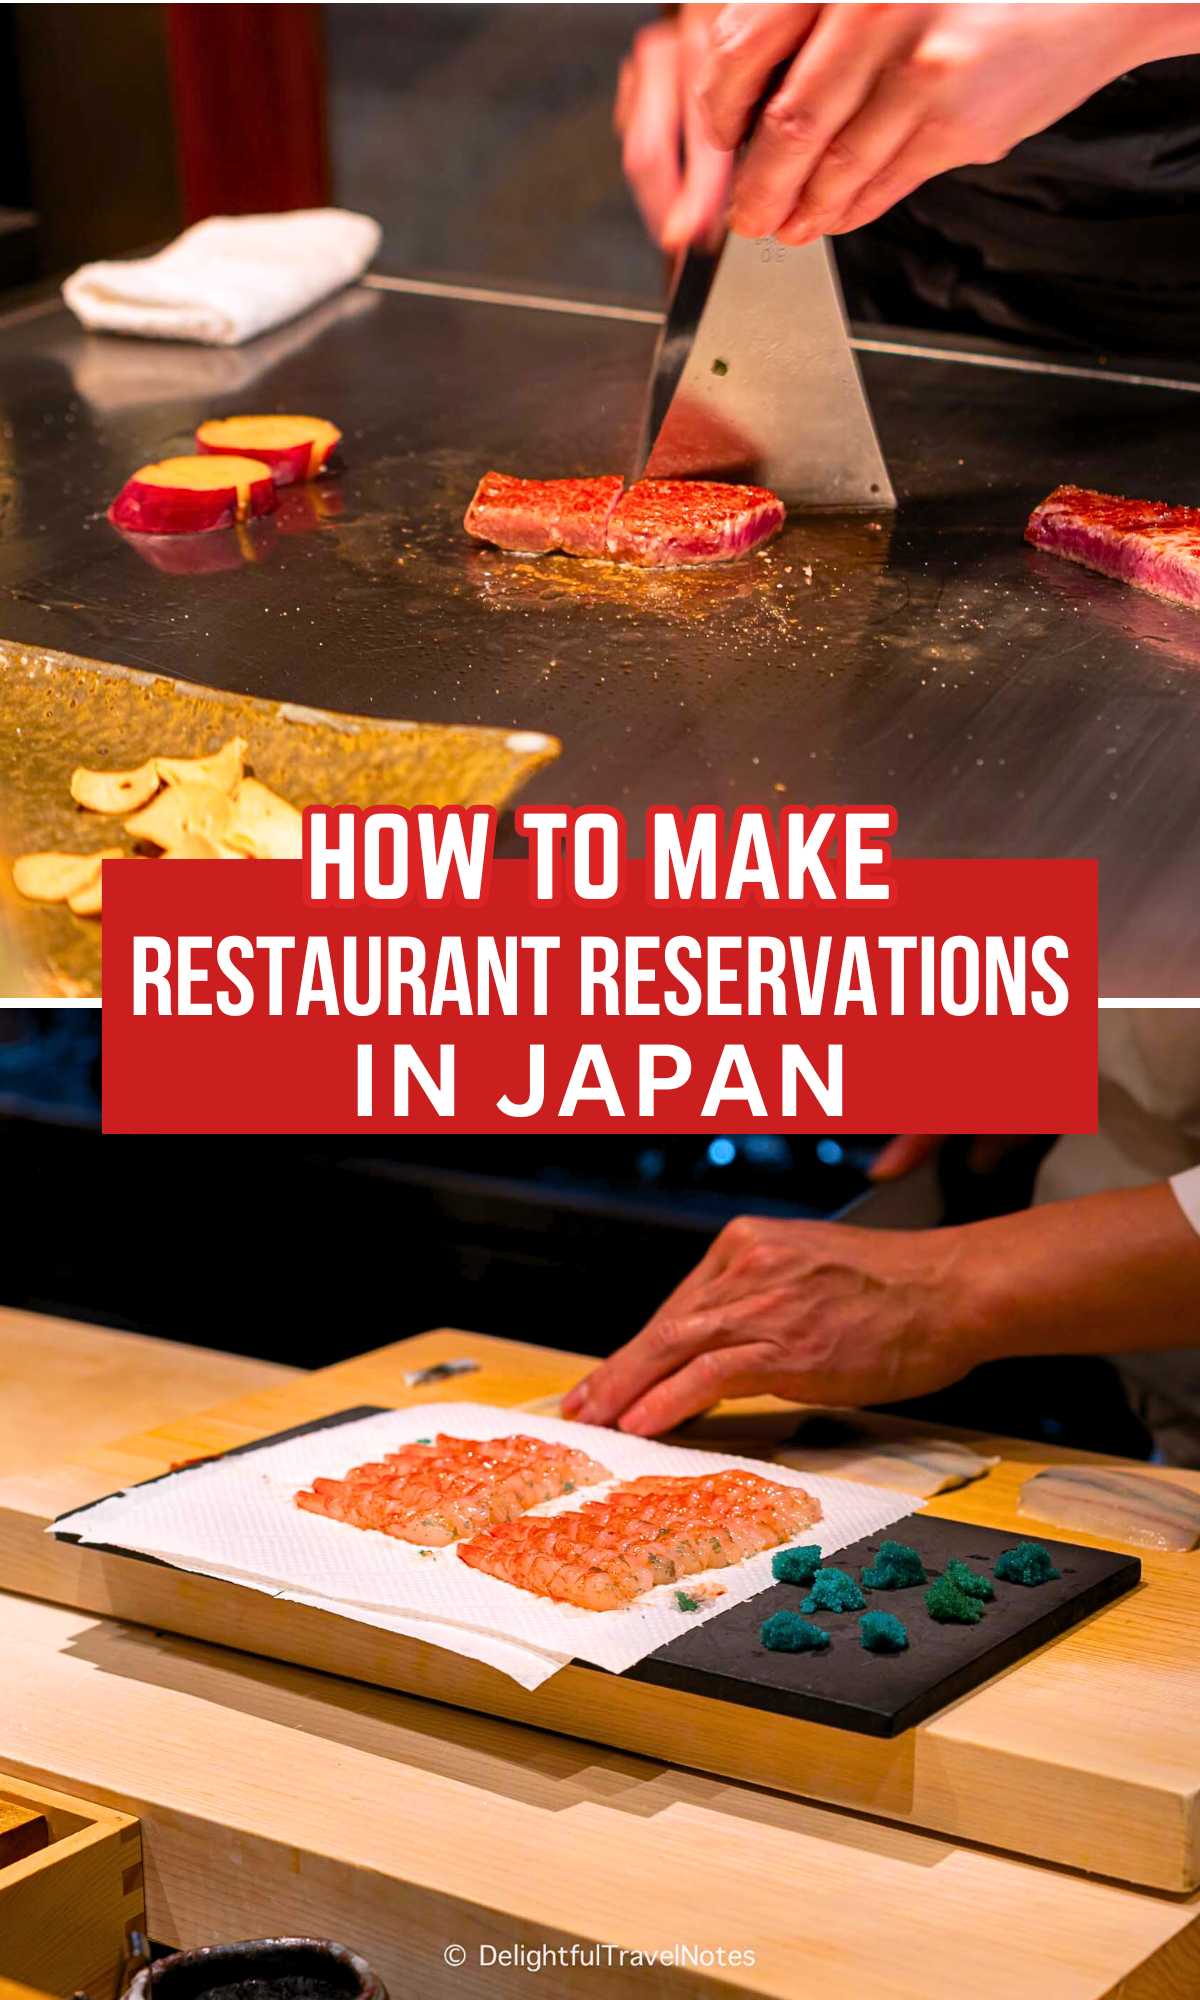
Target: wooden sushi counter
966, 1856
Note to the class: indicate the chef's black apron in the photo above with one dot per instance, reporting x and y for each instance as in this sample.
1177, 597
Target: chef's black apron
1087, 235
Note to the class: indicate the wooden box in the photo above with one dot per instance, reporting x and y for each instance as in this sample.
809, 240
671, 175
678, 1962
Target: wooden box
69, 1903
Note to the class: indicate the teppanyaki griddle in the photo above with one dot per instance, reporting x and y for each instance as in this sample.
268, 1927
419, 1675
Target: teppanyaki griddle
844, 1687
1004, 702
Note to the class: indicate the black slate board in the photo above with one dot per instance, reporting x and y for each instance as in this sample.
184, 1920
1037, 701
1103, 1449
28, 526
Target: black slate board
877, 1694
882, 1694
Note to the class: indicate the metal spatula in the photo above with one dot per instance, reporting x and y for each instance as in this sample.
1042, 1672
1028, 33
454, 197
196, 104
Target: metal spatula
754, 379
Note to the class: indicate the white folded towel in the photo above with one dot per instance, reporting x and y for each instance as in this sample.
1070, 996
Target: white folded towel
227, 279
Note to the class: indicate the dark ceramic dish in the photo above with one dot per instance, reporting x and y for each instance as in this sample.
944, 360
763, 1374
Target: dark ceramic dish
260, 1969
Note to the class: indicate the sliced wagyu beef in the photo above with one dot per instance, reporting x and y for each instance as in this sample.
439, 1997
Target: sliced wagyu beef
1142, 542
663, 523
535, 516
657, 524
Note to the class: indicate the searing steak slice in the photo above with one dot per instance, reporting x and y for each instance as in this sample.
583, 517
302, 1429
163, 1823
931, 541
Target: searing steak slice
1142, 542
665, 522
534, 516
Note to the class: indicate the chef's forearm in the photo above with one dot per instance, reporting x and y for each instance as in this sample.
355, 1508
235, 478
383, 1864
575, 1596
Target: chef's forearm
1106, 1274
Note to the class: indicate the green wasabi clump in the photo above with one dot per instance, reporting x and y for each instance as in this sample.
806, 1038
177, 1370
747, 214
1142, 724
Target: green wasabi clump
796, 1565
969, 1581
786, 1632
950, 1605
1025, 1562
896, 1567
834, 1590
879, 1632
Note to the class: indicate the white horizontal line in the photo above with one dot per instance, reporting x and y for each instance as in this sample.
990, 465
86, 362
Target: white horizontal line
431, 288
1102, 1004
486, 295
482, 295
1019, 366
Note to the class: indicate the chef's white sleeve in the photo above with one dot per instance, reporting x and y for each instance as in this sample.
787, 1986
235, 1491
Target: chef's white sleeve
1186, 1189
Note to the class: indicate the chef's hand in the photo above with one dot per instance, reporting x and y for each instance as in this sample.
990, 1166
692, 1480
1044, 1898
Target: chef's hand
680, 180
876, 100
816, 1312
822, 1313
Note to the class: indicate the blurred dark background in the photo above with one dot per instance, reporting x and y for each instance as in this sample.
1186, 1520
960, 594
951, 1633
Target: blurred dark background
478, 136
309, 1250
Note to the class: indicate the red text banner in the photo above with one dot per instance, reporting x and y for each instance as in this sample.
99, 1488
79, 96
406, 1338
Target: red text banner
485, 995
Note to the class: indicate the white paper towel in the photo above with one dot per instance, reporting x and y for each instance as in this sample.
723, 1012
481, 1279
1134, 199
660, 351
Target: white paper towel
236, 1519
227, 279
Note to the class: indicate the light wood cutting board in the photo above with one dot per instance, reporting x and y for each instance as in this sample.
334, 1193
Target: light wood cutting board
275, 1800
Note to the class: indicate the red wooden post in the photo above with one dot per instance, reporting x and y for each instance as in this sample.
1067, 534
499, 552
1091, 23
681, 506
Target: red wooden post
248, 84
